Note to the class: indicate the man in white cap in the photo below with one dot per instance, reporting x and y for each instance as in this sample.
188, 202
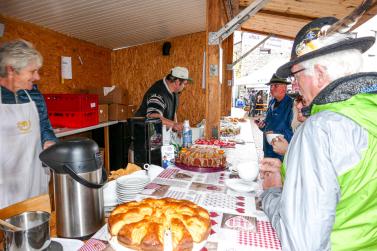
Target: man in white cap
328, 198
161, 99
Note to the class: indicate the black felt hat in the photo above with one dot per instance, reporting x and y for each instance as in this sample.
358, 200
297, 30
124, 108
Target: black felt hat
303, 49
276, 80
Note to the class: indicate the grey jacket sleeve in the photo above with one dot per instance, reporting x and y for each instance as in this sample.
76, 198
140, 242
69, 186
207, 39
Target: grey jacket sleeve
303, 213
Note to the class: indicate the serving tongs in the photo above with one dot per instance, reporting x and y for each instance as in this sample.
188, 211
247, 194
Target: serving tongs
9, 226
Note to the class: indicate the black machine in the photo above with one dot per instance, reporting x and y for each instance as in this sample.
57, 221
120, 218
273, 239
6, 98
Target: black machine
146, 140
119, 142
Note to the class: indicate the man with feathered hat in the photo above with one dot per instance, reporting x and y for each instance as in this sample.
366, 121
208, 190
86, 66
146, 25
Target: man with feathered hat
328, 200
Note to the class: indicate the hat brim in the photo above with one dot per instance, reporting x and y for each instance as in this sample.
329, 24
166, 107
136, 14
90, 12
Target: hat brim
282, 82
362, 44
188, 79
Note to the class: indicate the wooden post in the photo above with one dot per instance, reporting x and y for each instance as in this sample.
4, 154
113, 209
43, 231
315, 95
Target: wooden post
215, 20
226, 90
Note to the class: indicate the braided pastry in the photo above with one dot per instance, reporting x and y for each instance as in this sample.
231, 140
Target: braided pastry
141, 225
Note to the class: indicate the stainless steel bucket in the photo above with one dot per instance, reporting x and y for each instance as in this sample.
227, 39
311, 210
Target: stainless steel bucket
35, 233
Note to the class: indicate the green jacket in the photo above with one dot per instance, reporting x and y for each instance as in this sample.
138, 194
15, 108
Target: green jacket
355, 226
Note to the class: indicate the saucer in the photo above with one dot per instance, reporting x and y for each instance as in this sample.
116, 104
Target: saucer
240, 185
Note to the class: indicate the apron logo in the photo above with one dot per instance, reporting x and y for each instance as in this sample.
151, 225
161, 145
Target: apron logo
24, 126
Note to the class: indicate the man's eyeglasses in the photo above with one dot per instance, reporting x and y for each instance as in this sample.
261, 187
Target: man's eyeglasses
291, 77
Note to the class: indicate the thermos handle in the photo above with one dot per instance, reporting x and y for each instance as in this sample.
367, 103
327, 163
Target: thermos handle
84, 182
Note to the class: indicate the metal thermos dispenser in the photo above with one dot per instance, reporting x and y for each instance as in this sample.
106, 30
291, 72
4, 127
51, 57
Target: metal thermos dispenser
79, 176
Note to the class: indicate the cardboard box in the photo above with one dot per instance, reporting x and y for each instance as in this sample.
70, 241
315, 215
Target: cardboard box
103, 113
111, 95
117, 112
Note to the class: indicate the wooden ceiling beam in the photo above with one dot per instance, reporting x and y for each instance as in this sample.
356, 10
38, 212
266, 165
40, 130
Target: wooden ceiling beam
266, 34
280, 25
228, 7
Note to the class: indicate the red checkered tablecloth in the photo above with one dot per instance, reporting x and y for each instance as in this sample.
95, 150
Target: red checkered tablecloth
265, 237
94, 245
168, 173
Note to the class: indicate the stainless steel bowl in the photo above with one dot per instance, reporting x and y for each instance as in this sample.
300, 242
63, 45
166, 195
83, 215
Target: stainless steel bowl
35, 233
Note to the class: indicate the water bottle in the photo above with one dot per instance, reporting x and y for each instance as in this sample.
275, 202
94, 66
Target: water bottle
187, 134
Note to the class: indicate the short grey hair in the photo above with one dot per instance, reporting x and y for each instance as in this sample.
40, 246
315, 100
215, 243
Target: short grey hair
338, 64
18, 54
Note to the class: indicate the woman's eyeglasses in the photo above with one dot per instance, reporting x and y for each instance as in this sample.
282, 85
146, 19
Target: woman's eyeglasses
299, 98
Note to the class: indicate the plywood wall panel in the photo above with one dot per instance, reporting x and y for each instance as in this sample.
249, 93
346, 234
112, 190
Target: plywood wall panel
137, 68
94, 72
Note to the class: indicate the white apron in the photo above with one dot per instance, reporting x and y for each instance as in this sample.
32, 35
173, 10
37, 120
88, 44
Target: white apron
21, 173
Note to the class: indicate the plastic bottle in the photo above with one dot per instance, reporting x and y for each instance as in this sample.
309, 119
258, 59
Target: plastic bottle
187, 134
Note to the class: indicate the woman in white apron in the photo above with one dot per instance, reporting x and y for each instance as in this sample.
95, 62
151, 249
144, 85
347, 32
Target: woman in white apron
21, 173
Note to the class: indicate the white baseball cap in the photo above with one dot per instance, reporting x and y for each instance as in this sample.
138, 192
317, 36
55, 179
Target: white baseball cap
180, 72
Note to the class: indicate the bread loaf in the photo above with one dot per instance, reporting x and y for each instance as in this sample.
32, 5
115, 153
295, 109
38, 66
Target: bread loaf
141, 225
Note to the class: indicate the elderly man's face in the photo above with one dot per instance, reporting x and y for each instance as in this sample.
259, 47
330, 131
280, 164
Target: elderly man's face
277, 90
304, 82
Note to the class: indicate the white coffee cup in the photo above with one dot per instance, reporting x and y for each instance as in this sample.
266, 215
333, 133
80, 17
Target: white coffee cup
153, 170
271, 136
248, 171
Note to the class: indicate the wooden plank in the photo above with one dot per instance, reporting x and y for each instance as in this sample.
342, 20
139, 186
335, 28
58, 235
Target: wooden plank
215, 20
236, 7
228, 9
310, 8
226, 90
38, 203
283, 26
287, 24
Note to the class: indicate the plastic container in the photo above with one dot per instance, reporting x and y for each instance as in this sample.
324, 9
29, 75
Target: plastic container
73, 119
71, 102
187, 134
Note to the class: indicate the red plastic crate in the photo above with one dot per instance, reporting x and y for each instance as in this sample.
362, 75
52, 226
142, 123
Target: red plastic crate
73, 119
71, 102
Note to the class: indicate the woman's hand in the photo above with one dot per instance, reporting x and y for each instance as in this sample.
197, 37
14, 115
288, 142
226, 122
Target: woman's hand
48, 143
279, 145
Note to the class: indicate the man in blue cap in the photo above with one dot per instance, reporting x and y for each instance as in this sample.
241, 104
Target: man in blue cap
279, 115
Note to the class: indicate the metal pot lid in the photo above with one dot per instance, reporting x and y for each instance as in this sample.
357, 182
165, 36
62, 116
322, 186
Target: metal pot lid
81, 154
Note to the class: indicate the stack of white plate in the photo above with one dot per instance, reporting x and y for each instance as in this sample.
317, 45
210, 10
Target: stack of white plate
127, 187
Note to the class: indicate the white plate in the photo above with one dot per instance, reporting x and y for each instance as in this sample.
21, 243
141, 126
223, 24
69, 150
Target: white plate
131, 187
113, 241
240, 185
132, 180
109, 194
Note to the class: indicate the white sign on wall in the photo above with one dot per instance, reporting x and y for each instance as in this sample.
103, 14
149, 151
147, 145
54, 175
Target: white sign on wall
66, 67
